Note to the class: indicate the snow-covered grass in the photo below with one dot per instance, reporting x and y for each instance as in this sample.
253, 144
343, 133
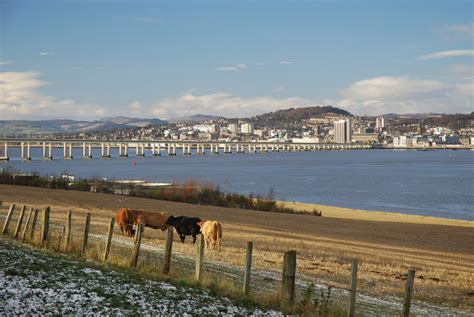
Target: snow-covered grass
35, 282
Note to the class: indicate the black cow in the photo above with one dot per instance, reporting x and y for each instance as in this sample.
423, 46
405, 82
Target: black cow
185, 226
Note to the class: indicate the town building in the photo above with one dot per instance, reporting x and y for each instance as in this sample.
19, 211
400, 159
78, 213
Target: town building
343, 131
379, 124
246, 128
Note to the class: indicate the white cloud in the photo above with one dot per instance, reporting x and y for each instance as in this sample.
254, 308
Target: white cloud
6, 62
405, 95
447, 54
463, 29
387, 87
136, 108
21, 99
285, 62
233, 68
280, 88
462, 71
223, 104
44, 54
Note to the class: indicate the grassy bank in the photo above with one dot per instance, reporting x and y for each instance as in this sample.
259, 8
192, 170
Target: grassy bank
191, 192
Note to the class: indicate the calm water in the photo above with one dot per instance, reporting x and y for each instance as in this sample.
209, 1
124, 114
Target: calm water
434, 183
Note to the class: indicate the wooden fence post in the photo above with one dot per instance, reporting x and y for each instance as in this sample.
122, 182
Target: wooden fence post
20, 220
7, 220
136, 246
408, 292
248, 268
45, 226
86, 233
28, 219
109, 238
33, 224
67, 238
353, 290
288, 277
199, 257
61, 237
168, 248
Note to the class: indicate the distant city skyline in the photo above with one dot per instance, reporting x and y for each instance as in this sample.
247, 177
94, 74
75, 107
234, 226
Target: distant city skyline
85, 60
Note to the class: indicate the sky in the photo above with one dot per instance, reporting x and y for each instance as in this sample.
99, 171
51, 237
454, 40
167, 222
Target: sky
90, 59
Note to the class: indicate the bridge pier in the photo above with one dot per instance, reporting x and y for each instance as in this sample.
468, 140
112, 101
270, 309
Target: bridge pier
171, 149
28, 151
104, 150
155, 150
4, 155
214, 149
65, 151
123, 150
22, 145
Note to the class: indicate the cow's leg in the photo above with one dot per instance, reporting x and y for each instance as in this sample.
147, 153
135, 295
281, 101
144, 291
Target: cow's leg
194, 238
182, 237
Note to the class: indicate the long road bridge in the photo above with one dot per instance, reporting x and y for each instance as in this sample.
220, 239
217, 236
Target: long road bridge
156, 147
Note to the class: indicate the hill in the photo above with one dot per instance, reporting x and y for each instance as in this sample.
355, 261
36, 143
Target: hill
28, 127
295, 115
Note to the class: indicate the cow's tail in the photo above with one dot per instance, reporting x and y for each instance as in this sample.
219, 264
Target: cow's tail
219, 235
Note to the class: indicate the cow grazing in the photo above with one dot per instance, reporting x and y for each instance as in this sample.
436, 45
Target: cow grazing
212, 232
185, 226
126, 218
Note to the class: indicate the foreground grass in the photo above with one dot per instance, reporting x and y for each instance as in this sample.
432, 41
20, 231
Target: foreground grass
71, 284
34, 281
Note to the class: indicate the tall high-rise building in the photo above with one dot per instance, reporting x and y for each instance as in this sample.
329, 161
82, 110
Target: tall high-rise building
343, 131
379, 124
348, 130
214, 128
246, 128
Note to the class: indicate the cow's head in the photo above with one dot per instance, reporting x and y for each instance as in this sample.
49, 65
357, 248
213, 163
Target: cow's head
170, 221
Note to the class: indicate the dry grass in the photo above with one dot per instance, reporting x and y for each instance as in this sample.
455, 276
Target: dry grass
443, 276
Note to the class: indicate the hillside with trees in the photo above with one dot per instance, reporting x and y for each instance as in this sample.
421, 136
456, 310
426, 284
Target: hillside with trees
290, 116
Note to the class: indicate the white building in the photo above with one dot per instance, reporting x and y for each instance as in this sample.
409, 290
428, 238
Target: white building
402, 141
379, 124
233, 127
246, 128
343, 131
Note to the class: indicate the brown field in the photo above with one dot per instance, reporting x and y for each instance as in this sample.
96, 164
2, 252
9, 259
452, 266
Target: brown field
441, 250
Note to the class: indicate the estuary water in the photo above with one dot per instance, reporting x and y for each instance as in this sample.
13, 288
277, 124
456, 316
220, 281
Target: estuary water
429, 183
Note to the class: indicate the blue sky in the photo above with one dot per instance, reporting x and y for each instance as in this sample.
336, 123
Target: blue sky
88, 59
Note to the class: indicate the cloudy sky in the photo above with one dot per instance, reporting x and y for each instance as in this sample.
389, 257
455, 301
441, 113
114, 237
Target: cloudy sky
89, 59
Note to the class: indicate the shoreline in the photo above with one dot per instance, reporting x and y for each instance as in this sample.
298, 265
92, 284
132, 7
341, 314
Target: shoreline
374, 215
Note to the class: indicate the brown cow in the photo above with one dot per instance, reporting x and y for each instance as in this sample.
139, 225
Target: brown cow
126, 218
212, 232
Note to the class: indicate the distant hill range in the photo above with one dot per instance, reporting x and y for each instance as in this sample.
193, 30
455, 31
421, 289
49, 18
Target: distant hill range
10, 127
294, 115
195, 118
